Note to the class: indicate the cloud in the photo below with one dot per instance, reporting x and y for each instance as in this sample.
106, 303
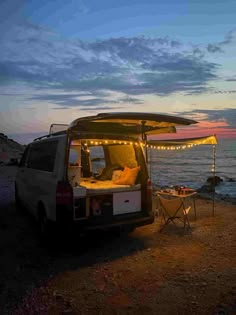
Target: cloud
100, 108
230, 37
231, 79
130, 100
213, 48
83, 99
133, 66
59, 108
72, 100
219, 47
227, 116
224, 91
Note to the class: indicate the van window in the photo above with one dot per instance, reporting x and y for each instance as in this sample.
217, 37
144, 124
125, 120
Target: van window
42, 156
74, 155
112, 155
123, 155
97, 159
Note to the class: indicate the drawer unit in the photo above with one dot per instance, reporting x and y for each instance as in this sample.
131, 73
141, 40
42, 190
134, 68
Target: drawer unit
126, 202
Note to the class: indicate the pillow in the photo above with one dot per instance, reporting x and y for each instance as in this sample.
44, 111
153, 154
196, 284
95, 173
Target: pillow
107, 172
128, 176
116, 175
122, 154
122, 179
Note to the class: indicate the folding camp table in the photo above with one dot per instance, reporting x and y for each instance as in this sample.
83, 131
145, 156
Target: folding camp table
180, 204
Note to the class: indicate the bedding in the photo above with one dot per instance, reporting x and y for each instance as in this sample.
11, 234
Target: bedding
128, 177
107, 172
116, 175
105, 186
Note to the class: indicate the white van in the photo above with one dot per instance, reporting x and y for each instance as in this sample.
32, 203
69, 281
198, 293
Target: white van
93, 174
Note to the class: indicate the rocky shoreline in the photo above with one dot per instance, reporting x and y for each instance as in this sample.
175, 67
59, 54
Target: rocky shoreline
145, 272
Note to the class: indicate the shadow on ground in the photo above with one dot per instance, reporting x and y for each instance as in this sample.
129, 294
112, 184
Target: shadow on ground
27, 263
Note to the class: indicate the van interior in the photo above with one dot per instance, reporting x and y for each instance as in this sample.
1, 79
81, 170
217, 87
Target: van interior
108, 173
114, 163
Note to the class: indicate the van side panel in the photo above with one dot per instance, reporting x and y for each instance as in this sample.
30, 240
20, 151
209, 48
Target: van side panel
43, 193
57, 175
43, 168
60, 168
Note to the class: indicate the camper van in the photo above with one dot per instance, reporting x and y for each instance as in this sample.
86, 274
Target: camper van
93, 174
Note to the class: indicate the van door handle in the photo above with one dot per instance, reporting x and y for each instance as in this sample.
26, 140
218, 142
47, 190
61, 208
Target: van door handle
126, 200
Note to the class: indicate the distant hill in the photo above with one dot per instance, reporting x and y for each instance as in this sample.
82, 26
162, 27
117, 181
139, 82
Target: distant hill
9, 149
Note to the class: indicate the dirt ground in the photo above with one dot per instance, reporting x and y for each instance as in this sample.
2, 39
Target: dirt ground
145, 272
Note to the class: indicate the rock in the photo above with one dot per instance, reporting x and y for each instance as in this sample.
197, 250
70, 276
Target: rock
206, 189
214, 180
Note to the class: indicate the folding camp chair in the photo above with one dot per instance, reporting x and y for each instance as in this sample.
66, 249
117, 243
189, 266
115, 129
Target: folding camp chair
172, 210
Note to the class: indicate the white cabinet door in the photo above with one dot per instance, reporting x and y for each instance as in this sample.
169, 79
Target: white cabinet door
126, 202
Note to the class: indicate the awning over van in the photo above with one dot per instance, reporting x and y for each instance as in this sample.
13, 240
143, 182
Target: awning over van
129, 123
188, 142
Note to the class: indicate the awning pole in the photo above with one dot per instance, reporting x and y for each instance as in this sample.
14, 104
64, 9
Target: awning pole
214, 179
144, 139
150, 163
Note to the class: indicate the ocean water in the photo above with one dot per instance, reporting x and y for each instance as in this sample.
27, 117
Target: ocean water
191, 167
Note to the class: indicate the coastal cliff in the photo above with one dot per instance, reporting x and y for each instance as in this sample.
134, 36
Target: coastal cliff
10, 150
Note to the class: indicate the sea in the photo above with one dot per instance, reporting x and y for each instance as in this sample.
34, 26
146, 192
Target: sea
192, 167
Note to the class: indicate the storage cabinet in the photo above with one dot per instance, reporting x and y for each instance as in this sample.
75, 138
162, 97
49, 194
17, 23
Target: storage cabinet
126, 202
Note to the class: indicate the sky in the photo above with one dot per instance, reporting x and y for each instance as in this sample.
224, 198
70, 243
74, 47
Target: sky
64, 59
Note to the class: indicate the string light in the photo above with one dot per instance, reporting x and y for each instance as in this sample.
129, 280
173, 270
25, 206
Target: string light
143, 144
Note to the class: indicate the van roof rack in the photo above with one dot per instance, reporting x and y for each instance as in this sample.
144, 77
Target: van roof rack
53, 132
55, 128
52, 135
39, 138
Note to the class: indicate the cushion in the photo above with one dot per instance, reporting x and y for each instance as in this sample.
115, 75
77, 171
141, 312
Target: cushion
107, 172
124, 155
116, 175
128, 176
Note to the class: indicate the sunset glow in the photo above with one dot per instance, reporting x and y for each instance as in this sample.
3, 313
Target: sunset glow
64, 60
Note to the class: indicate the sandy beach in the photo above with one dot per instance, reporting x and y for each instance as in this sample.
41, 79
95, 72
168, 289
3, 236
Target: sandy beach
145, 272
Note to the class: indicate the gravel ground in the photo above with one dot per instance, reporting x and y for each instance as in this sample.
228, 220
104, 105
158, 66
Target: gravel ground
145, 272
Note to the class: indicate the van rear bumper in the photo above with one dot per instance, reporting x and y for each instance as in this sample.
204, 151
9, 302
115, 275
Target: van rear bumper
135, 219
130, 222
